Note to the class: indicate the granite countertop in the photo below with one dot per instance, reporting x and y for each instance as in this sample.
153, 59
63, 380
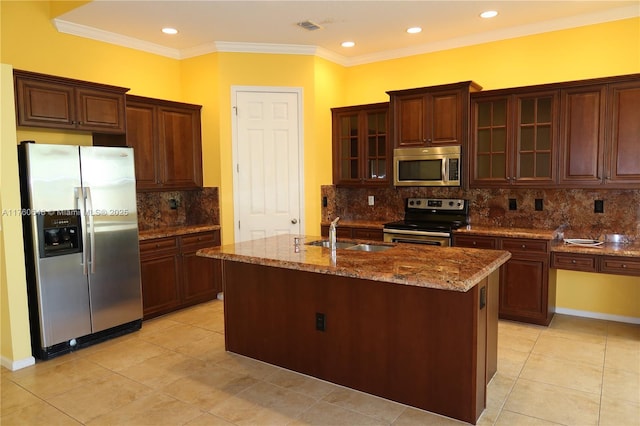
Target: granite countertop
174, 231
608, 249
375, 224
446, 268
496, 231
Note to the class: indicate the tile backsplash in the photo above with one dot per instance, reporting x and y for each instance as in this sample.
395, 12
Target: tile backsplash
573, 208
178, 208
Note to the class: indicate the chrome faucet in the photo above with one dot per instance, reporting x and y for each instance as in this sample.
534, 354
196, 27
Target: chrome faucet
332, 233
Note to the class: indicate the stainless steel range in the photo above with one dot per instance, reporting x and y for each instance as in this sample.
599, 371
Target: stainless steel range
428, 221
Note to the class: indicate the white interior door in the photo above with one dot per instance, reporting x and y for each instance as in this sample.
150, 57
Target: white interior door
268, 166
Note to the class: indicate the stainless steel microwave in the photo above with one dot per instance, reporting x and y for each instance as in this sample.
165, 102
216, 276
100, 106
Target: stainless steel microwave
427, 166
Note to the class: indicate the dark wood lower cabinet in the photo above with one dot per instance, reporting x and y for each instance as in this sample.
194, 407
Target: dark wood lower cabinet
173, 277
429, 348
160, 279
346, 231
527, 284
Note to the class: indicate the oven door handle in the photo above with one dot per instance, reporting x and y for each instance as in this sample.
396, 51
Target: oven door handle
423, 242
420, 233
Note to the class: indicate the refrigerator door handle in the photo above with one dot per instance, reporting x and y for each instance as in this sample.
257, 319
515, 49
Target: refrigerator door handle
79, 203
92, 230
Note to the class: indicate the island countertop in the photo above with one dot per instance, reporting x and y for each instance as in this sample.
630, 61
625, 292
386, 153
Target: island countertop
445, 268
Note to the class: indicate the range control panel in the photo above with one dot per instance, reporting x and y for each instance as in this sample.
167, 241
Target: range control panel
436, 204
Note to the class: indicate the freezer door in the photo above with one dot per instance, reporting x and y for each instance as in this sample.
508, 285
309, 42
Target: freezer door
52, 174
115, 292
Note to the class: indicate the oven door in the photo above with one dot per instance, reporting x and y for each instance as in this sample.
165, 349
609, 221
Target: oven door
429, 238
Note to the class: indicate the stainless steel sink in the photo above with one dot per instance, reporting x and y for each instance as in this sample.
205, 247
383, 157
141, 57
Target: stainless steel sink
369, 247
325, 243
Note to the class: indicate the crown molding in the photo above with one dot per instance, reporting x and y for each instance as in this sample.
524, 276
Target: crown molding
113, 38
295, 49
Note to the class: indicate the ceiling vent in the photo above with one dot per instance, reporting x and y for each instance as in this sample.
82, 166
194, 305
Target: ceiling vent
309, 26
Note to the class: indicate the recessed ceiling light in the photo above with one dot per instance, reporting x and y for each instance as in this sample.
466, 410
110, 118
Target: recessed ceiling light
169, 31
414, 30
489, 14
348, 44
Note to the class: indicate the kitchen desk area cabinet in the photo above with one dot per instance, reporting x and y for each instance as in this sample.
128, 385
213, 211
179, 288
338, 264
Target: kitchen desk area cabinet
431, 116
61, 103
527, 284
173, 277
361, 146
167, 140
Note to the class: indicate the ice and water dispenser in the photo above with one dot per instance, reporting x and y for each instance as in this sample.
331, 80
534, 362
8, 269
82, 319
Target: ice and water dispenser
59, 233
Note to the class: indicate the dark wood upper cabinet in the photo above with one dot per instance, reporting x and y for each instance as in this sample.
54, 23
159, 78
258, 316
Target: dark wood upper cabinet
514, 139
576, 134
61, 103
167, 143
361, 145
623, 134
582, 135
431, 116
600, 135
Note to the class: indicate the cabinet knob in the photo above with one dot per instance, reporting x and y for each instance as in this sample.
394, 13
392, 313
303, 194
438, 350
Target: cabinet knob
573, 261
524, 246
474, 243
624, 266
157, 245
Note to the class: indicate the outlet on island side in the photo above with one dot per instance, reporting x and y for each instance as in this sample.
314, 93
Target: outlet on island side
371, 200
513, 205
321, 321
598, 206
539, 206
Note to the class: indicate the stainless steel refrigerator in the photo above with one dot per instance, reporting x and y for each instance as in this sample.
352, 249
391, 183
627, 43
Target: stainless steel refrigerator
81, 245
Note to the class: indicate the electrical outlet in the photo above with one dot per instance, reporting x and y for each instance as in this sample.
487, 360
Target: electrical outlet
371, 200
324, 202
513, 205
173, 204
539, 205
598, 206
321, 321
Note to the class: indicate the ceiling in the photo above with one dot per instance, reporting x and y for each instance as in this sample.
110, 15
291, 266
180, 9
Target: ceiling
377, 27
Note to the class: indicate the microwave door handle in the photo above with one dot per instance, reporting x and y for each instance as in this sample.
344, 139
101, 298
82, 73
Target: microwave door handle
445, 169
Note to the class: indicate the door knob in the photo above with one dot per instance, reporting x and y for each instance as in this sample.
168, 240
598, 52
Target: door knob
294, 221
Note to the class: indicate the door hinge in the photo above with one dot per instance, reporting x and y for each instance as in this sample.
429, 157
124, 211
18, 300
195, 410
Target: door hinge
238, 168
238, 224
235, 108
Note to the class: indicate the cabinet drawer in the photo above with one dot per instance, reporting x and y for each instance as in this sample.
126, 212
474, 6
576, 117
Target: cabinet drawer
576, 262
150, 246
520, 245
201, 238
475, 242
368, 234
620, 265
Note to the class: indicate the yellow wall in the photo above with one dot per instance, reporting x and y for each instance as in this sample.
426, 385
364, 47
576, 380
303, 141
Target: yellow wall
29, 41
610, 294
587, 52
14, 344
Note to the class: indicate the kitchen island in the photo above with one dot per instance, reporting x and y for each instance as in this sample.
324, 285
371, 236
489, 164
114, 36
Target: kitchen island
413, 324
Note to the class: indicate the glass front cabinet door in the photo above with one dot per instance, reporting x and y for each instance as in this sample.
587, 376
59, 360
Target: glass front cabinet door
361, 150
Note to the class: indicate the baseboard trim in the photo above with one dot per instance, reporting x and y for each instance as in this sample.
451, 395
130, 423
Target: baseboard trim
17, 365
598, 315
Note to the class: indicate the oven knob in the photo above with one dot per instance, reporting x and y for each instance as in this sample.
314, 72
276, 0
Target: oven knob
411, 202
418, 202
451, 203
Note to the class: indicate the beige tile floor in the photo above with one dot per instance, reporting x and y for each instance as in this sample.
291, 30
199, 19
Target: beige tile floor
175, 372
